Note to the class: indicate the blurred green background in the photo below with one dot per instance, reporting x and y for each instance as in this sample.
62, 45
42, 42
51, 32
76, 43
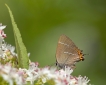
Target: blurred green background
41, 22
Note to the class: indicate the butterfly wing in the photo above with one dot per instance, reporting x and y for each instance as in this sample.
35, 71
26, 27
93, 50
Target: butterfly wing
67, 52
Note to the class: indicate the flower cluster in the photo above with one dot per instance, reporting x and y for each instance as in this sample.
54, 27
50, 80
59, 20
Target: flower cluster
7, 54
12, 74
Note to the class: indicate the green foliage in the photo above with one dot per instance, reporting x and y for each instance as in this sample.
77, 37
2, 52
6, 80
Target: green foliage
48, 82
3, 82
23, 59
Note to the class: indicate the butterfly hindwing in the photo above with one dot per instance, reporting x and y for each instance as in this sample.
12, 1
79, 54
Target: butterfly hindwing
67, 52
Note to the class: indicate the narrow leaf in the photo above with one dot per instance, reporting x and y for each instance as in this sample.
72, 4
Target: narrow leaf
23, 59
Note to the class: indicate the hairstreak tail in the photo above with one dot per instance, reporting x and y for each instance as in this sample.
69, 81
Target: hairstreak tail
67, 53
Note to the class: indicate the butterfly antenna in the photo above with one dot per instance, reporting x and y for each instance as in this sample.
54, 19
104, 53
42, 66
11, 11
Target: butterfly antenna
85, 54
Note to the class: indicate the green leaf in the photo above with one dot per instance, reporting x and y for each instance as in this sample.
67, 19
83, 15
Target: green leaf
23, 59
50, 82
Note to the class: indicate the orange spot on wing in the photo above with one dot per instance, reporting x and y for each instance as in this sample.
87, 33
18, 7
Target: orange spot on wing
80, 55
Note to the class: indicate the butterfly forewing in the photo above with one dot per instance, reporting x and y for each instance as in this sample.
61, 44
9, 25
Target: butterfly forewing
67, 52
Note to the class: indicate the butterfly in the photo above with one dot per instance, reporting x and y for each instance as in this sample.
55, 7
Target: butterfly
67, 53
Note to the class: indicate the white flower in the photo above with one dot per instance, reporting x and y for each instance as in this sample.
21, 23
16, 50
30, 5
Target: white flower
22, 76
31, 74
82, 80
2, 35
2, 27
11, 74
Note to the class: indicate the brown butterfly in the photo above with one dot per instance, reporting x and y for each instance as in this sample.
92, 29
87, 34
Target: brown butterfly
67, 53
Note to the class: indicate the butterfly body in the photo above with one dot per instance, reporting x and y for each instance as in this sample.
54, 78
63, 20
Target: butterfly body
67, 53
